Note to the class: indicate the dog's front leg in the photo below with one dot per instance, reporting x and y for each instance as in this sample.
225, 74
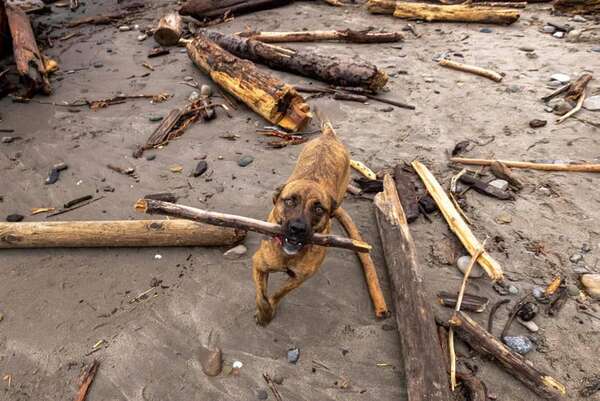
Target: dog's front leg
264, 310
290, 284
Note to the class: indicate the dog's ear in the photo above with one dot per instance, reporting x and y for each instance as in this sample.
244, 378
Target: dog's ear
277, 193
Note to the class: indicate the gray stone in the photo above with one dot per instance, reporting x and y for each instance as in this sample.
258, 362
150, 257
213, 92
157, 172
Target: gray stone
206, 91
277, 379
485, 30
559, 34
573, 290
245, 160
530, 325
236, 252
554, 84
155, 118
596, 49
193, 96
463, 262
592, 103
124, 28
537, 123
576, 258
262, 394
520, 344
98, 64
513, 290
7, 139
293, 355
526, 49
188, 78
538, 293
549, 29
150, 157
579, 18
562, 78
142, 37
500, 184
548, 109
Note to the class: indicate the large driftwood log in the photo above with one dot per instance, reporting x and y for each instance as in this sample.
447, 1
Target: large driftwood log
423, 358
577, 6
124, 233
449, 13
169, 29
580, 167
335, 70
29, 60
346, 35
243, 223
211, 9
276, 101
516, 365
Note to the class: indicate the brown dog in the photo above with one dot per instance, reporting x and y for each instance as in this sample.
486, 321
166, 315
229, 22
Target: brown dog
303, 205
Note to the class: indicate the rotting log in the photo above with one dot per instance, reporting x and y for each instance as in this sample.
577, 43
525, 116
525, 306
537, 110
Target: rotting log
515, 364
117, 233
345, 35
335, 70
448, 13
421, 351
29, 60
240, 222
577, 6
407, 194
277, 102
212, 9
169, 29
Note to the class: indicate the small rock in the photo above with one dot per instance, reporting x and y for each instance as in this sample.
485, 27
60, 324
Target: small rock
108, 188
176, 169
554, 84
277, 379
559, 34
513, 89
519, 344
155, 118
536, 123
576, 258
262, 394
545, 191
54, 173
188, 78
548, 109
236, 252
573, 290
8, 139
237, 365
463, 262
579, 18
211, 361
527, 49
529, 325
531, 55
206, 91
512, 290
98, 64
500, 289
124, 28
528, 311
500, 184
194, 96
14, 218
586, 248
293, 355
562, 107
200, 168
136, 27
245, 160
538, 293
386, 109
485, 30
150, 157
503, 218
591, 284
158, 256
592, 103
429, 80
549, 29
596, 49
142, 37
388, 327
562, 78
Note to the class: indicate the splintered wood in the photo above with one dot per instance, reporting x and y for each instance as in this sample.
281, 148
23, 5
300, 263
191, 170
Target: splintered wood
457, 223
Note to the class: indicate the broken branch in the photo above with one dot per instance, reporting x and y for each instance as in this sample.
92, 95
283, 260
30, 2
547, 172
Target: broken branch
494, 76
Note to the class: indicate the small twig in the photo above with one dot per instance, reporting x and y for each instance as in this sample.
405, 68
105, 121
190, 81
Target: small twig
513, 313
61, 211
493, 312
86, 381
575, 109
272, 386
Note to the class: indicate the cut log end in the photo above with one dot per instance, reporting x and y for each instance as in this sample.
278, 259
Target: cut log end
141, 205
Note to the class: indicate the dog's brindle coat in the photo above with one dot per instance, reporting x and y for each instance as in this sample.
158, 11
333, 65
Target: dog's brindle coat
303, 205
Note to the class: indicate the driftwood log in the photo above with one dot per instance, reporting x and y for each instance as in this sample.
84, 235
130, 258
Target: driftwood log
169, 29
276, 101
483, 342
577, 6
423, 358
407, 194
212, 9
580, 167
242, 223
335, 70
346, 35
449, 13
29, 60
124, 233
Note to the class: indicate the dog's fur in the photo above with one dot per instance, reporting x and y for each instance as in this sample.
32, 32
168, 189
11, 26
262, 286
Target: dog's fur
303, 205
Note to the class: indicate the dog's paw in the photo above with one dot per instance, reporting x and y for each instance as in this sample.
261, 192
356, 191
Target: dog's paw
264, 312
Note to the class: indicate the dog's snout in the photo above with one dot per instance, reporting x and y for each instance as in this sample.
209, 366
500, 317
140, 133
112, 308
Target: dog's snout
298, 227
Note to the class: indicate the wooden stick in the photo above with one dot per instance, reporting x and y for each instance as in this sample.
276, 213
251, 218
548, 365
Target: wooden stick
494, 76
119, 233
456, 222
345, 35
516, 365
169, 30
212, 9
470, 302
243, 223
582, 168
578, 87
379, 304
420, 347
574, 110
86, 380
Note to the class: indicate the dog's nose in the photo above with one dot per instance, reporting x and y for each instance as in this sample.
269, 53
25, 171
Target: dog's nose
297, 227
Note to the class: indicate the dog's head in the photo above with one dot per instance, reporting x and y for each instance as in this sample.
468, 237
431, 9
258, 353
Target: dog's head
302, 208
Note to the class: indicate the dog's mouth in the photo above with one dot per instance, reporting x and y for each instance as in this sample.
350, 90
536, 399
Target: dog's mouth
291, 246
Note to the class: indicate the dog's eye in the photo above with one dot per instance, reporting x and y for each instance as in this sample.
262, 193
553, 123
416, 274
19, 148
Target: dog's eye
289, 202
319, 210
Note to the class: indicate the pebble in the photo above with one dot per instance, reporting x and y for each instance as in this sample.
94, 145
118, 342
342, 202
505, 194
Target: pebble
463, 262
519, 344
576, 258
500, 184
579, 18
200, 168
500, 289
277, 379
237, 365
98, 64
124, 28
108, 188
592, 103
536, 123
262, 394
527, 49
293, 355
528, 311
206, 91
158, 256
503, 218
485, 30
513, 89
596, 49
142, 37
236, 252
573, 290
188, 78
155, 118
194, 96
538, 293
548, 109
8, 139
150, 157
545, 191
562, 78
176, 169
549, 29
559, 34
530, 325
531, 55
136, 27
554, 84
211, 361
586, 248
591, 284
14, 218
513, 290
386, 109
245, 160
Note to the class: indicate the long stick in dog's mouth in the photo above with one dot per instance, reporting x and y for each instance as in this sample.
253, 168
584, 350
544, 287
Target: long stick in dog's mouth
151, 206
